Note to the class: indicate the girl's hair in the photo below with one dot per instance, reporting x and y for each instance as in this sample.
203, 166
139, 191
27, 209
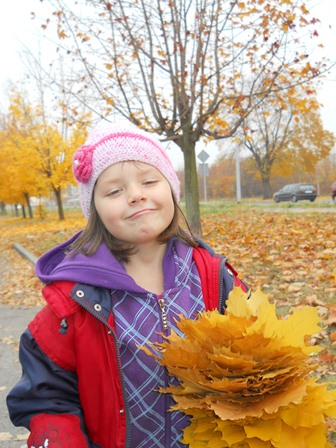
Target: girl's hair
95, 233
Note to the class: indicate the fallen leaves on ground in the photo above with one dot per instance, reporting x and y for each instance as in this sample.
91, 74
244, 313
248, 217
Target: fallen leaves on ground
7, 436
20, 286
292, 257
284, 253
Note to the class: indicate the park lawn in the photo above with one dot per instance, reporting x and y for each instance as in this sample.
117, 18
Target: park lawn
290, 256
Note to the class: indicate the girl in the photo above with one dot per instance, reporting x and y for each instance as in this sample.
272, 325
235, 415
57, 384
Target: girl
116, 286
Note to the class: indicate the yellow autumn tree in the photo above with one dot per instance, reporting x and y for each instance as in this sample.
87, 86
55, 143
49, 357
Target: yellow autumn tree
41, 149
62, 124
326, 173
310, 142
9, 191
55, 157
221, 179
285, 135
18, 157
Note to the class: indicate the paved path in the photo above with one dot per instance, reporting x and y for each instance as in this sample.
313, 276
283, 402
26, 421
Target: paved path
13, 321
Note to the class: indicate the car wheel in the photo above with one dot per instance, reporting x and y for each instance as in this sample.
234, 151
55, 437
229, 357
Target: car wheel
334, 199
312, 200
276, 199
294, 198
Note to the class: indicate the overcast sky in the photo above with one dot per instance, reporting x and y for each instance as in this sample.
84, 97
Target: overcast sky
17, 29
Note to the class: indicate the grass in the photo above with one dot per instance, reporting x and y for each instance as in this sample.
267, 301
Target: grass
229, 204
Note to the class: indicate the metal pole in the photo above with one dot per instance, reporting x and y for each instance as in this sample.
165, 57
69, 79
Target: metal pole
204, 184
238, 186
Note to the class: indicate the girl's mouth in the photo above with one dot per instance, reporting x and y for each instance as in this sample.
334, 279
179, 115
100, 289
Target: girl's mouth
139, 213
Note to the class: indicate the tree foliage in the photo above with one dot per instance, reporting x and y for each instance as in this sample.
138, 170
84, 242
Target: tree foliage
19, 160
285, 136
310, 143
35, 156
176, 67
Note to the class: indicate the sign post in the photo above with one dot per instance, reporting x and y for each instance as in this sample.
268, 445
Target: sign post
238, 183
204, 170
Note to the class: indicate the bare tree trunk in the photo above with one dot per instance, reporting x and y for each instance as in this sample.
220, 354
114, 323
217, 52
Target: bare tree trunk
3, 208
29, 207
15, 210
24, 216
266, 187
191, 188
58, 196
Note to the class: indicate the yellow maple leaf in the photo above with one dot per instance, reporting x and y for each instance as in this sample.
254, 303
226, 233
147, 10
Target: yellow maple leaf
246, 376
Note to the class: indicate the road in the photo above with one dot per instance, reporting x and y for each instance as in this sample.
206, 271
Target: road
13, 321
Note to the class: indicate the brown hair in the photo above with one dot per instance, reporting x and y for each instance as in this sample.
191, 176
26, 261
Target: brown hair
95, 233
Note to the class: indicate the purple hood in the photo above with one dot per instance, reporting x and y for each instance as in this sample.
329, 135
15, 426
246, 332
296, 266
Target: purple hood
100, 269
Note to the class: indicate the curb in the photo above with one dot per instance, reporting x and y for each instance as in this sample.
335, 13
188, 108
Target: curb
25, 253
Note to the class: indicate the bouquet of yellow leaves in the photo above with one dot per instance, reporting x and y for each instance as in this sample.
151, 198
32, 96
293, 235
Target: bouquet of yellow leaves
245, 377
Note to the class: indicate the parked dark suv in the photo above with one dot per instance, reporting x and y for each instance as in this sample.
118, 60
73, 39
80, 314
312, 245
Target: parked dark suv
296, 192
333, 192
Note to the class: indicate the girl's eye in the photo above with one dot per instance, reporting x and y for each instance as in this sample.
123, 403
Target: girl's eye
115, 192
150, 182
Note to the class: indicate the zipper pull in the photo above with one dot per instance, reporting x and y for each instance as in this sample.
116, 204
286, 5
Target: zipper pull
64, 326
162, 306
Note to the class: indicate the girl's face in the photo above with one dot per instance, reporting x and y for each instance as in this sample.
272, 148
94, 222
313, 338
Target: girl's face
134, 201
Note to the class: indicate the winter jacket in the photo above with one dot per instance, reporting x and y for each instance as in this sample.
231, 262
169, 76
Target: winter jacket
73, 341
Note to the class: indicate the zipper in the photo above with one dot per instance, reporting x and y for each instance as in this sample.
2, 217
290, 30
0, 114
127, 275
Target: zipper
164, 318
122, 380
221, 286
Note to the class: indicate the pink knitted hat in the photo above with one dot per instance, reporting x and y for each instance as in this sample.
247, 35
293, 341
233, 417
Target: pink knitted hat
111, 143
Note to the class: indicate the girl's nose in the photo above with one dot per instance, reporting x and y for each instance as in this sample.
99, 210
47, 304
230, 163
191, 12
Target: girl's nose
135, 194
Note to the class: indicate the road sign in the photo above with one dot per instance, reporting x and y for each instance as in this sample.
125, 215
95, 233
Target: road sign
203, 156
204, 169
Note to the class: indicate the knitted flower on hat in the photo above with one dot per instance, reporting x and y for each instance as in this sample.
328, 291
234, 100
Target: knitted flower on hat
111, 143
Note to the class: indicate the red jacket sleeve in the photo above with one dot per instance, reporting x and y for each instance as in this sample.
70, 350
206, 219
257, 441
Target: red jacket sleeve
46, 399
56, 431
